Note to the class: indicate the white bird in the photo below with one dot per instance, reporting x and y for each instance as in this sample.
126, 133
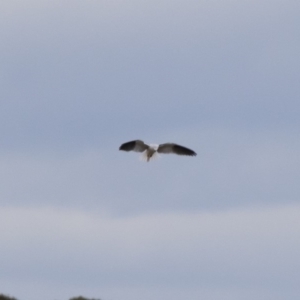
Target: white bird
152, 149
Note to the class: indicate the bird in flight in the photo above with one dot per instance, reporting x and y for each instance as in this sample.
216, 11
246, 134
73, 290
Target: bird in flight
149, 151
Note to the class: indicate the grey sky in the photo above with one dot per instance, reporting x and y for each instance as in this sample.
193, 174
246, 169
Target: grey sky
78, 78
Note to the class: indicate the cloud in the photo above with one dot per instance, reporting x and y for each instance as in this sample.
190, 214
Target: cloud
71, 70
253, 249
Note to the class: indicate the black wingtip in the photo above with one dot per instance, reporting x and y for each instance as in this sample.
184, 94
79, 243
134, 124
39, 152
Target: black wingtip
192, 153
184, 151
127, 146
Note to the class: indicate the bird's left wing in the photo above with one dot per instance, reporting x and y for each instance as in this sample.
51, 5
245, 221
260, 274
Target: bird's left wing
137, 145
174, 148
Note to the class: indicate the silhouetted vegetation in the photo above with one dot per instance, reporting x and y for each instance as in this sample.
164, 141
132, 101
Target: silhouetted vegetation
5, 297
81, 298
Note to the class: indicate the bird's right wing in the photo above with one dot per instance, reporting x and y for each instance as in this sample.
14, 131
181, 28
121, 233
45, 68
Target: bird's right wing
176, 149
137, 146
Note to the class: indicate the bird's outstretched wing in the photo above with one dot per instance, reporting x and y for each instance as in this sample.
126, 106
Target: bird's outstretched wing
174, 148
137, 146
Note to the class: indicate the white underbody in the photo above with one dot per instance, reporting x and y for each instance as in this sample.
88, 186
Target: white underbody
150, 153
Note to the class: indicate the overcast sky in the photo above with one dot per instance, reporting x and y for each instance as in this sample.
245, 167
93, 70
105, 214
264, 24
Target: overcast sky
78, 78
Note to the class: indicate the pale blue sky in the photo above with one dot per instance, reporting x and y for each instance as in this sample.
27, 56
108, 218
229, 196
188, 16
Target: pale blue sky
78, 78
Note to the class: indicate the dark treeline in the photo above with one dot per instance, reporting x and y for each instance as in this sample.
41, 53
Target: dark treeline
5, 297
